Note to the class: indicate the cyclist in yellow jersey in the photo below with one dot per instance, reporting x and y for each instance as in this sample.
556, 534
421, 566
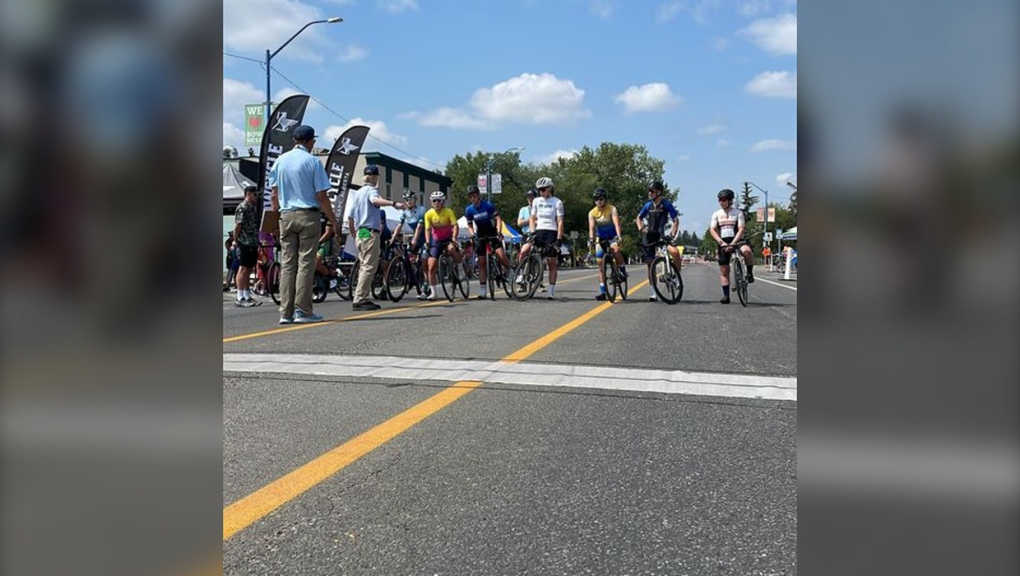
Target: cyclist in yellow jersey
604, 225
440, 233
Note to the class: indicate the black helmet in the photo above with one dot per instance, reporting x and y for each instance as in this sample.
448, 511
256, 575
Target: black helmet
531, 193
599, 193
656, 185
473, 189
726, 194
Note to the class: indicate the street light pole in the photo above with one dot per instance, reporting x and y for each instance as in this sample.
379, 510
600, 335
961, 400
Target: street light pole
766, 217
269, 56
488, 169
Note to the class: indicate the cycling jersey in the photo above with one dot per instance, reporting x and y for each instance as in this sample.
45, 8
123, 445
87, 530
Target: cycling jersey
546, 211
658, 216
440, 223
525, 214
484, 218
604, 227
728, 222
412, 217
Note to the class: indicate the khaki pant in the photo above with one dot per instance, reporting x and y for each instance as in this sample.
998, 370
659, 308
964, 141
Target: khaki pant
299, 238
368, 254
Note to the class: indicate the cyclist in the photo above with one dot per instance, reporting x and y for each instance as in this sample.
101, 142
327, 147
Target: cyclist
547, 223
523, 222
604, 226
414, 217
440, 233
727, 228
484, 223
658, 210
325, 250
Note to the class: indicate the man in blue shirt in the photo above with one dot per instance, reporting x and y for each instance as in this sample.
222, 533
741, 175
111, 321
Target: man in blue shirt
364, 217
485, 224
299, 185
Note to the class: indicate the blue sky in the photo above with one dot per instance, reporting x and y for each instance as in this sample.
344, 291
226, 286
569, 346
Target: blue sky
708, 86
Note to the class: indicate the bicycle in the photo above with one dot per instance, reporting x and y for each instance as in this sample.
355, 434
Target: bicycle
404, 274
494, 269
616, 282
739, 269
527, 274
451, 277
664, 275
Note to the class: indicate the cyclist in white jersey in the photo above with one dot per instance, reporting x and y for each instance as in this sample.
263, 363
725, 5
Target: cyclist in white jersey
727, 228
546, 222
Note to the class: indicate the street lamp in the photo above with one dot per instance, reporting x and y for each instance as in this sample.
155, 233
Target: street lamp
269, 57
488, 169
766, 214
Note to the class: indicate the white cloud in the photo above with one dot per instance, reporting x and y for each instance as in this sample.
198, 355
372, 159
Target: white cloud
602, 8
654, 97
773, 85
397, 6
287, 92
751, 8
233, 136
525, 99
722, 143
235, 95
353, 53
776, 35
786, 177
766, 145
531, 99
377, 129
669, 11
254, 26
713, 129
450, 118
720, 43
684, 158
550, 158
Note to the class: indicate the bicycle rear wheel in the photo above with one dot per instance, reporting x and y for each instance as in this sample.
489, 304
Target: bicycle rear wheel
398, 281
320, 287
621, 282
379, 283
609, 276
343, 281
491, 263
664, 282
463, 282
739, 277
273, 278
446, 276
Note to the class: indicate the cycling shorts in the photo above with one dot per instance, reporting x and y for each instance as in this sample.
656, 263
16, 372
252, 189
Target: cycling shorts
724, 256
437, 247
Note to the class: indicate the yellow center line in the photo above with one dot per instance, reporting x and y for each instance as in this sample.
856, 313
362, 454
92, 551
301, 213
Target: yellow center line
257, 505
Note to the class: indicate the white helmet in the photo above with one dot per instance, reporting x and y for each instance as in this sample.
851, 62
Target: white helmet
437, 195
543, 182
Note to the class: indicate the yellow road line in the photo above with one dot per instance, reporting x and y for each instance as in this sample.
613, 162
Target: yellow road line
248, 510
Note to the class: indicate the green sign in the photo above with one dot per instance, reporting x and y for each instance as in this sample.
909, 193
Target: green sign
254, 124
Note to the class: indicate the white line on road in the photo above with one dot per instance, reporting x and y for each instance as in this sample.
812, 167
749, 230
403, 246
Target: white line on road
776, 284
522, 373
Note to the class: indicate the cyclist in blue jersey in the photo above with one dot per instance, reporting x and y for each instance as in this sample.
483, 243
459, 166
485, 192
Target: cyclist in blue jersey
485, 225
658, 211
414, 217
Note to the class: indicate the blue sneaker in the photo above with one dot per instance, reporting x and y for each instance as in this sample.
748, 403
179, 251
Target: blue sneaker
301, 317
285, 320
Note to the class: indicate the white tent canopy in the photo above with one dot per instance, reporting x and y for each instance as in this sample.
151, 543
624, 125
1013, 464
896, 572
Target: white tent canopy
234, 183
790, 234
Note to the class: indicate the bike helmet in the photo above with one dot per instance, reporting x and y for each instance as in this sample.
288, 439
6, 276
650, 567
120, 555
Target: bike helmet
532, 193
656, 185
599, 193
437, 195
726, 194
472, 189
544, 182
409, 195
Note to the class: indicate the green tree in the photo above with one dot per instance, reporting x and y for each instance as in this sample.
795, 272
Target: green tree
709, 246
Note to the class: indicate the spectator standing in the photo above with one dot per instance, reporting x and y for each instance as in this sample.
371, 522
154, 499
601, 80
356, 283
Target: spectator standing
299, 185
246, 234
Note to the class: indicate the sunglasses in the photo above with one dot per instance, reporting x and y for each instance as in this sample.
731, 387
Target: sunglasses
435, 201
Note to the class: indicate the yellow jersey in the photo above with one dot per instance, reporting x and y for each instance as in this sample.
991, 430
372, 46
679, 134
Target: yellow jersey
440, 223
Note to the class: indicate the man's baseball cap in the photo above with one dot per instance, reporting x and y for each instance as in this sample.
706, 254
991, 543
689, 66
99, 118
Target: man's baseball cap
371, 169
304, 133
251, 188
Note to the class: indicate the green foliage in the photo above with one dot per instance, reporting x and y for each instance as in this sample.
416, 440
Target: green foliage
709, 246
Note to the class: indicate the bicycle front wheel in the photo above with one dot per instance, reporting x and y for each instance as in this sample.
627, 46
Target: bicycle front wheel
664, 281
446, 277
379, 283
491, 264
273, 278
398, 280
320, 287
343, 282
739, 278
609, 276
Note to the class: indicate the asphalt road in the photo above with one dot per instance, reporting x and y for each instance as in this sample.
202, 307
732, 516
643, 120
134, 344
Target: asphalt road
559, 473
